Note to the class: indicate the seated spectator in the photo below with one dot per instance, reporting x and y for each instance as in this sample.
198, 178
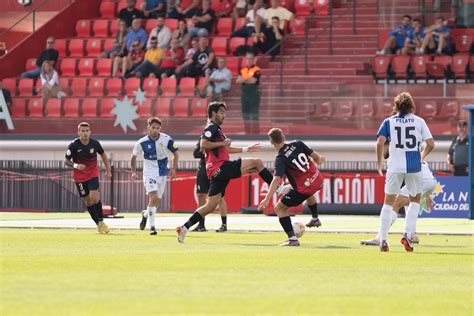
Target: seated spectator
240, 9
50, 84
202, 62
162, 33
151, 62
176, 11
436, 39
397, 37
283, 14
130, 13
182, 35
271, 38
172, 58
203, 20
218, 83
118, 42
154, 8
128, 63
6, 95
50, 54
414, 38
135, 33
249, 22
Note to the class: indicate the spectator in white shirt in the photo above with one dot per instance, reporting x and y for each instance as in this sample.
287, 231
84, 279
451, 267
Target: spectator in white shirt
50, 83
162, 33
218, 83
253, 17
281, 12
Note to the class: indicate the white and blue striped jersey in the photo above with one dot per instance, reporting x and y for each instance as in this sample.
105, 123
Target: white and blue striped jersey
405, 134
155, 154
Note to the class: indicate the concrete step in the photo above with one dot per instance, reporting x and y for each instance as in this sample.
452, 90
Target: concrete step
318, 65
336, 51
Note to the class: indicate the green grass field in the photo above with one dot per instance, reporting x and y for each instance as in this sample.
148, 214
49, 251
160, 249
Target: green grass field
79, 272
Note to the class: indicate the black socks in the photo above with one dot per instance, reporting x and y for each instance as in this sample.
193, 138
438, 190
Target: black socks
285, 222
314, 210
266, 175
196, 217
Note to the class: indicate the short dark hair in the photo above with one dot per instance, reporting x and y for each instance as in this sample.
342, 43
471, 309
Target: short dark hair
153, 119
153, 38
417, 20
276, 135
407, 16
275, 17
215, 107
462, 123
403, 103
83, 124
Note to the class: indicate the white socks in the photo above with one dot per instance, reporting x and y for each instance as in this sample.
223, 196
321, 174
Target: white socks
394, 218
151, 212
410, 218
385, 221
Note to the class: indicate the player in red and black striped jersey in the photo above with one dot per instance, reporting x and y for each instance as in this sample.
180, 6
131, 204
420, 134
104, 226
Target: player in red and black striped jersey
295, 160
82, 156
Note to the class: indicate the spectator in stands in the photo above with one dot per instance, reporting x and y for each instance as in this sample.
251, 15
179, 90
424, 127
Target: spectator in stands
240, 9
175, 11
282, 13
218, 83
50, 83
135, 33
202, 62
162, 33
182, 34
256, 14
49, 54
203, 20
152, 60
272, 37
193, 49
172, 58
414, 38
458, 154
6, 95
249, 78
436, 39
130, 13
128, 63
397, 37
118, 42
154, 8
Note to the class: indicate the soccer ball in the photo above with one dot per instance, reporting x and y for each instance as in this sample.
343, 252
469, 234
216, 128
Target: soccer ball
299, 229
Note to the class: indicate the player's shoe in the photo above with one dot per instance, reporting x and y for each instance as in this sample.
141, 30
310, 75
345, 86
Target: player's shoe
222, 229
103, 228
383, 246
406, 242
153, 231
143, 221
181, 232
283, 189
200, 229
314, 222
370, 242
414, 239
291, 243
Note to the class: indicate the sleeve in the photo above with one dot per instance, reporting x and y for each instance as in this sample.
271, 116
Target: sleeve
98, 148
172, 147
55, 80
69, 151
451, 148
197, 152
288, 15
257, 74
55, 57
280, 167
228, 77
137, 149
209, 133
425, 131
39, 61
384, 129
308, 151
165, 40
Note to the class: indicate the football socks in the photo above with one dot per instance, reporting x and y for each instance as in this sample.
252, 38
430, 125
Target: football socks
314, 210
385, 221
285, 222
410, 218
266, 175
196, 217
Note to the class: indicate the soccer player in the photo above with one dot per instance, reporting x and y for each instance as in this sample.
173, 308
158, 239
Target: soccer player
81, 155
405, 132
202, 188
295, 160
154, 147
219, 168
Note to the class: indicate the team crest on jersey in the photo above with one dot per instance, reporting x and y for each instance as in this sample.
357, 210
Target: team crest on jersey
92, 150
175, 146
208, 134
68, 152
149, 146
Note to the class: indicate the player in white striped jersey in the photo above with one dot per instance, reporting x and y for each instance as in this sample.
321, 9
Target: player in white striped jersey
405, 132
155, 147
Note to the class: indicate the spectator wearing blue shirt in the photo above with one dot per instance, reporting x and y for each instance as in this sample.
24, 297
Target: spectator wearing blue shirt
135, 33
154, 8
414, 38
397, 37
436, 39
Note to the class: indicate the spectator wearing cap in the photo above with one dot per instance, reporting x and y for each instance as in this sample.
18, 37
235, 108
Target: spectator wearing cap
458, 154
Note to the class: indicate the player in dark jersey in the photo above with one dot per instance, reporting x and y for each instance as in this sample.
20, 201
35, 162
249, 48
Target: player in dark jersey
82, 156
202, 188
219, 168
295, 160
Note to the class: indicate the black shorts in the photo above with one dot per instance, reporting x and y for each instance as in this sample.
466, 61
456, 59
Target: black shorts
202, 181
85, 187
294, 198
230, 169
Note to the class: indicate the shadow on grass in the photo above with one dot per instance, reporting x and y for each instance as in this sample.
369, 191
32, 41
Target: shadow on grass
445, 253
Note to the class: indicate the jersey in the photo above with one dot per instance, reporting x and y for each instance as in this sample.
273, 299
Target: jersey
86, 155
198, 154
293, 160
155, 154
214, 157
405, 134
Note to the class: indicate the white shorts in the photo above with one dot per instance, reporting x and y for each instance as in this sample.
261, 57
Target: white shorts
157, 184
394, 180
426, 189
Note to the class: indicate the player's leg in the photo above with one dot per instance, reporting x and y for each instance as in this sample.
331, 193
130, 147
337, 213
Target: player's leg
393, 182
202, 198
223, 213
83, 190
202, 188
414, 184
153, 203
313, 207
250, 165
97, 204
290, 199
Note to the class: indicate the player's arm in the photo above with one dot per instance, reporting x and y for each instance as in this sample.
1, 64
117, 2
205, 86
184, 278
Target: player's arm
379, 151
68, 159
172, 174
271, 190
428, 148
208, 145
250, 149
318, 158
133, 167
105, 161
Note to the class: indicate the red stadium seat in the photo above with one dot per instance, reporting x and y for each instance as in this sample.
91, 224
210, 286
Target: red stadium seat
96, 87
121, 5
323, 110
181, 107
239, 22
384, 109
427, 109
76, 48
144, 110
53, 108
449, 110
64, 84
93, 47
233, 64
25, 87
435, 70
106, 107
131, 85
71, 107
343, 110
219, 46
150, 86
79, 87
172, 24
186, 86
201, 84
30, 64
101, 28
38, 88
150, 25
463, 43
83, 28
297, 26
168, 87
107, 10
108, 44
224, 26
104, 67
380, 66
302, 7
236, 42
114, 25
68, 67
418, 65
189, 22
289, 4
10, 84
471, 62
18, 107
89, 107
60, 45
400, 66
35, 107
113, 86
321, 7
459, 64
86, 67
366, 110
163, 107
199, 107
